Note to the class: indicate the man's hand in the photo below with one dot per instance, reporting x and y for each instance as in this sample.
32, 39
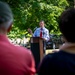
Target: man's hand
30, 31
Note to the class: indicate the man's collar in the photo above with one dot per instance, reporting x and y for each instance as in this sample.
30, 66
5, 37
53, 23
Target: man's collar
42, 27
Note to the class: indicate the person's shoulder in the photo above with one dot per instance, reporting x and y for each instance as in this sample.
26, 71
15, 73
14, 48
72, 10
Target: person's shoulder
50, 55
38, 28
23, 49
53, 56
45, 28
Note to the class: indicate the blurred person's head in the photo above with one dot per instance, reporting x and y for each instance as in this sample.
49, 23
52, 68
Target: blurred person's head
41, 23
6, 18
67, 25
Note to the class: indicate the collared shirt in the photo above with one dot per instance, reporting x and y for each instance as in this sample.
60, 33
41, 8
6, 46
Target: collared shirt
45, 32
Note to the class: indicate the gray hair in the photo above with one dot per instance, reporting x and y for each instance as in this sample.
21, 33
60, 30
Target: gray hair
6, 24
6, 16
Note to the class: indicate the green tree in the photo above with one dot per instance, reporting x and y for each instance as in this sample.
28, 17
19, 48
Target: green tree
28, 13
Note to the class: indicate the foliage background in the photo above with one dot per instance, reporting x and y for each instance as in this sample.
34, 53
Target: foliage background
28, 13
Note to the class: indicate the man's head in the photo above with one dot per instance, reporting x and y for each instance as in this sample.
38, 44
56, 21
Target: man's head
67, 24
6, 16
41, 23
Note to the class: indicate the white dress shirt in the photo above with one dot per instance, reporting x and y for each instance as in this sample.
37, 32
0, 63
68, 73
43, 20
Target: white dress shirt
45, 33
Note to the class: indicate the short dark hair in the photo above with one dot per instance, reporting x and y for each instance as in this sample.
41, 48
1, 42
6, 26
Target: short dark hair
67, 24
41, 20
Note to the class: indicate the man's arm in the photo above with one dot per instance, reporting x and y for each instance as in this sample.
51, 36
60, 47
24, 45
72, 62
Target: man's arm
30, 31
47, 37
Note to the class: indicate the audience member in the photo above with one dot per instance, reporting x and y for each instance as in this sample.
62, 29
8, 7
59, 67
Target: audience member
14, 60
41, 32
63, 61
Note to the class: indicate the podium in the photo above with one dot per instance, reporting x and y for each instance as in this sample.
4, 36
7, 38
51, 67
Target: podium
37, 49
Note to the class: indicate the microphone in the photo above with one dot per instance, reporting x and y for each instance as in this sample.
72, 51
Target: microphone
35, 28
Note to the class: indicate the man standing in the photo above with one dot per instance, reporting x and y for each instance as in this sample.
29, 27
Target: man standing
41, 32
14, 60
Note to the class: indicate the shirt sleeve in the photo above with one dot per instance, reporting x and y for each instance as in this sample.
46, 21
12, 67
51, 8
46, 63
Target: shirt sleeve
47, 37
35, 33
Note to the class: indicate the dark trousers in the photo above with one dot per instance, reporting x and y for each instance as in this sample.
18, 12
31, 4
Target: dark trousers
44, 46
